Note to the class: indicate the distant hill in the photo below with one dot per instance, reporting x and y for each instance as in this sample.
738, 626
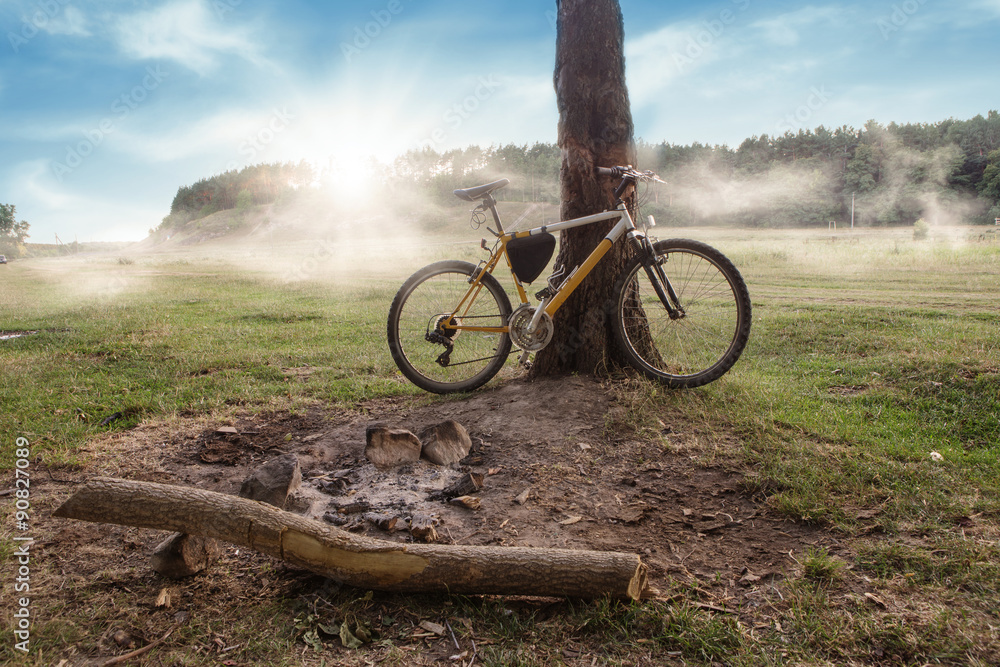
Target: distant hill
945, 172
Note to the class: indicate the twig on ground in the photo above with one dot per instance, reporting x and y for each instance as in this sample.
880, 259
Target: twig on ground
712, 607
452, 632
118, 660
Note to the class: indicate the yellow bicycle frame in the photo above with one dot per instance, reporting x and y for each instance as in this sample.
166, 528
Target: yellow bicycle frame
625, 225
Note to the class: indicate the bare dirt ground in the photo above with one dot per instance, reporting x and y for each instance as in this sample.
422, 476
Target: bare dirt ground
562, 468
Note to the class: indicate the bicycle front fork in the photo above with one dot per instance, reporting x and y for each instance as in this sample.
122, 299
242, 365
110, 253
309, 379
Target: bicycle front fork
653, 266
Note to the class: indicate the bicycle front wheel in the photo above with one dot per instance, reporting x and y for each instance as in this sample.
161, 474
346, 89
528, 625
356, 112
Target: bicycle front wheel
429, 352
706, 337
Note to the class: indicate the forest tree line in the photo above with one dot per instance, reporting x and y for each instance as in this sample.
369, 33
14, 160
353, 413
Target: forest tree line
881, 174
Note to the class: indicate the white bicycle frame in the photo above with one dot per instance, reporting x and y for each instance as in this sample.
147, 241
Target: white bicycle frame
552, 303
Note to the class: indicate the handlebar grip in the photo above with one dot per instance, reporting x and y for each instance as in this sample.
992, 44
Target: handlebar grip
607, 171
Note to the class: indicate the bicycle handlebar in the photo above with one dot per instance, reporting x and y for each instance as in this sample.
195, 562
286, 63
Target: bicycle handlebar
628, 173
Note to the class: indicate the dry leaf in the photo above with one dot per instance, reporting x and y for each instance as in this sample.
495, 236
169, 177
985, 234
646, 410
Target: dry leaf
163, 599
876, 600
430, 626
570, 521
348, 639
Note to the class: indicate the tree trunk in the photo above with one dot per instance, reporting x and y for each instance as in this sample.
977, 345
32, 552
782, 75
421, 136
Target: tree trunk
595, 129
357, 560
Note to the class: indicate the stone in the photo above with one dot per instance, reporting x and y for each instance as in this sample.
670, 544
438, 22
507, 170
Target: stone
388, 448
272, 482
445, 443
182, 555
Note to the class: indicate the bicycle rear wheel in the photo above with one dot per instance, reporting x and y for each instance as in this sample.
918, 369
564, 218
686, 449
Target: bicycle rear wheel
706, 340
434, 357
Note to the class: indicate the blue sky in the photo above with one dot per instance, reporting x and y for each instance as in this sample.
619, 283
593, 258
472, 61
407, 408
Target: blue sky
106, 107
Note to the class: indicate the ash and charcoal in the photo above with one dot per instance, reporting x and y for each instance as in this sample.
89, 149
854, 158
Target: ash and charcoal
400, 487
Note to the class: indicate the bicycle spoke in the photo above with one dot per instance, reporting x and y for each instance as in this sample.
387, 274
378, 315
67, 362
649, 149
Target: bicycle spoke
425, 344
708, 338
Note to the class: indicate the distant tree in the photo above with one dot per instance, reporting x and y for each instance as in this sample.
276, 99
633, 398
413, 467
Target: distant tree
863, 170
989, 186
12, 232
244, 200
755, 154
9, 226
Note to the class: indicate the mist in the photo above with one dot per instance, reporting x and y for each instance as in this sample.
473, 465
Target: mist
875, 177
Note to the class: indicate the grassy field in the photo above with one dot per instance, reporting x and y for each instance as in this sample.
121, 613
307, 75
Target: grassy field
867, 403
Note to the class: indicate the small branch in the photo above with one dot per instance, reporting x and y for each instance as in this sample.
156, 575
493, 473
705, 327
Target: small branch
455, 641
121, 659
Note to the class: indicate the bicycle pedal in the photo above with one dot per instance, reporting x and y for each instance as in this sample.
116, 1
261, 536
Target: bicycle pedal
545, 293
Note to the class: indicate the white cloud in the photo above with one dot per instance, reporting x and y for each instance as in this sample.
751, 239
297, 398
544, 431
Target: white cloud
786, 29
55, 208
991, 6
72, 22
656, 60
187, 32
226, 136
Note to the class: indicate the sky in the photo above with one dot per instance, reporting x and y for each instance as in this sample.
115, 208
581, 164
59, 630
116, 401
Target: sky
108, 106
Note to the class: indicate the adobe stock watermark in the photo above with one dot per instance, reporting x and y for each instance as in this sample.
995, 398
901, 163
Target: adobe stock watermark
223, 7
460, 112
365, 34
817, 99
46, 12
21, 558
322, 253
710, 31
279, 121
121, 108
900, 16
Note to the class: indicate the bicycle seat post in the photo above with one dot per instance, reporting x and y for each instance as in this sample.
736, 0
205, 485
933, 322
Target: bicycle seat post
491, 203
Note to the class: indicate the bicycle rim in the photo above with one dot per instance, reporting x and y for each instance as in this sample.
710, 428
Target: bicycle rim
701, 346
422, 304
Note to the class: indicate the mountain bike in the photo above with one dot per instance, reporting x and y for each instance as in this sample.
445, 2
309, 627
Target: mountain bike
681, 310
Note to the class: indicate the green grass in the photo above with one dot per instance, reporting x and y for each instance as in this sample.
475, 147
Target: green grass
864, 359
869, 351
180, 342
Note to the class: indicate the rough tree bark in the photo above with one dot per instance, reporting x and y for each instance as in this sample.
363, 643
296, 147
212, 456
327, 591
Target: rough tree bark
356, 560
595, 129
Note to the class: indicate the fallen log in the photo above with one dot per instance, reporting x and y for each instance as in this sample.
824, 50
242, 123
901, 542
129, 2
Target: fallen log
356, 560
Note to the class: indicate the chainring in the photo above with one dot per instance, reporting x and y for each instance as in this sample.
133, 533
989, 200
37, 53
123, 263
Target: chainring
536, 340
